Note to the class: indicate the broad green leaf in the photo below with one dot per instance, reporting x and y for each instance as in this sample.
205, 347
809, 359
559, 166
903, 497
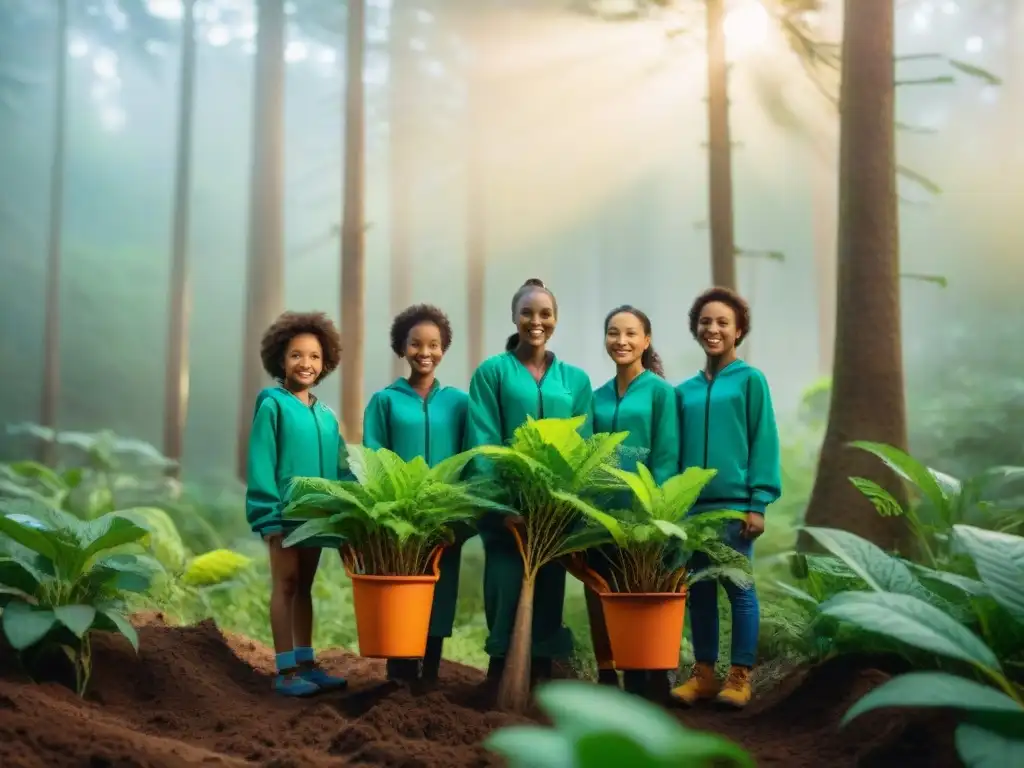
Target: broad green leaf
530, 746
881, 571
19, 575
28, 536
214, 567
163, 540
911, 621
34, 470
967, 585
981, 748
670, 529
702, 748
795, 593
26, 625
595, 749
311, 529
122, 625
77, 618
911, 470
108, 532
683, 490
610, 523
884, 502
933, 689
999, 558
641, 492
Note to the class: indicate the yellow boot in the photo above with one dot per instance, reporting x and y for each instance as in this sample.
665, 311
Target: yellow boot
736, 691
701, 686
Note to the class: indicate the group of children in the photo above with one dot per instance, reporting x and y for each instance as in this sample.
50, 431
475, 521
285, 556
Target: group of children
721, 418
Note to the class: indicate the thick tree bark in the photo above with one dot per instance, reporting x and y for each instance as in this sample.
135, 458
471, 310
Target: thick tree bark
353, 228
720, 213
868, 401
51, 332
176, 382
264, 295
514, 690
401, 89
825, 213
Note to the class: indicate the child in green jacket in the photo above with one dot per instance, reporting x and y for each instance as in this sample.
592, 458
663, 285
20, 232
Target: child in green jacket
293, 435
418, 416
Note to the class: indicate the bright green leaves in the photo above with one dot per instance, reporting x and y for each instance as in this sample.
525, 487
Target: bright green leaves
600, 726
214, 567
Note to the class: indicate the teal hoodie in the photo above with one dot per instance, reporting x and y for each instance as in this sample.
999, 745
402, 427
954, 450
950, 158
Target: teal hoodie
398, 419
648, 411
288, 439
728, 423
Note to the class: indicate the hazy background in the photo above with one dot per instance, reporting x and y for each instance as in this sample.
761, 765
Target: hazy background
597, 185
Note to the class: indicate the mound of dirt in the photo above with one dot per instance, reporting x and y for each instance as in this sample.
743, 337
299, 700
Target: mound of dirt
194, 696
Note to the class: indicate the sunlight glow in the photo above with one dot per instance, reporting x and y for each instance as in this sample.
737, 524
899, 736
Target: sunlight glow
974, 44
746, 28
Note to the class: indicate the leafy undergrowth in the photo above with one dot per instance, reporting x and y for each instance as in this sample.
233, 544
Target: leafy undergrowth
193, 695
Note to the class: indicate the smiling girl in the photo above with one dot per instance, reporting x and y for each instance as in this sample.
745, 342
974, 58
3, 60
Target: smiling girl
418, 416
637, 400
527, 380
728, 424
293, 435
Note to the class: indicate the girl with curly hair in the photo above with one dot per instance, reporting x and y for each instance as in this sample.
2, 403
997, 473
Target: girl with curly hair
419, 416
728, 424
527, 380
293, 435
637, 400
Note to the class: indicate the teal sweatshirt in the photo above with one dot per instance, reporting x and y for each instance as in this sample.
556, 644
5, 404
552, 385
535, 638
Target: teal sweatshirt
288, 439
648, 411
502, 393
398, 419
728, 423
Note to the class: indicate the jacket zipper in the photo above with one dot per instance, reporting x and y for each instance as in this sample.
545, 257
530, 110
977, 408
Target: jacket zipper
319, 438
707, 420
615, 416
540, 392
426, 429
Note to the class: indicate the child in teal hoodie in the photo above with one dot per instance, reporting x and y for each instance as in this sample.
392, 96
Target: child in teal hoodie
418, 416
293, 435
728, 424
527, 380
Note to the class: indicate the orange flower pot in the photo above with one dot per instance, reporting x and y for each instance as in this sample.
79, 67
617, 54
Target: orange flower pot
645, 630
393, 613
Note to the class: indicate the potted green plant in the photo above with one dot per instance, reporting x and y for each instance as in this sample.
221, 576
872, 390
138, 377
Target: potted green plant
544, 476
391, 524
643, 593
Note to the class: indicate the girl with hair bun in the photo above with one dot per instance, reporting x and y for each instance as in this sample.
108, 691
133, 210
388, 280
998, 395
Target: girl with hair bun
637, 400
527, 380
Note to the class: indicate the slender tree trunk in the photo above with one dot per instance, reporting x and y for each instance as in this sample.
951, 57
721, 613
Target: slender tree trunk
514, 691
176, 384
403, 158
353, 228
868, 401
265, 278
476, 204
723, 247
51, 333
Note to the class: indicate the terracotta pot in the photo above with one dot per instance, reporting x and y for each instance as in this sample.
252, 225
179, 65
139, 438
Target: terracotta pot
393, 613
645, 630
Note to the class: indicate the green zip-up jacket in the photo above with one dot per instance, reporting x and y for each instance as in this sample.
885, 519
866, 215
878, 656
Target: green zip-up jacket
728, 423
503, 393
398, 419
648, 411
288, 439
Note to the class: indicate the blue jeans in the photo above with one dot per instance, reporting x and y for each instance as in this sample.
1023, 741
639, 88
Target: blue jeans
703, 605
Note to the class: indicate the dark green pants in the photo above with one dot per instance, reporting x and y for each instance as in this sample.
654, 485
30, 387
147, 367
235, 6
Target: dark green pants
503, 581
446, 593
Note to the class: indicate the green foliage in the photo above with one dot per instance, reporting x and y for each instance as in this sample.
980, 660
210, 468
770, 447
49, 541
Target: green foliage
60, 578
392, 518
599, 726
654, 539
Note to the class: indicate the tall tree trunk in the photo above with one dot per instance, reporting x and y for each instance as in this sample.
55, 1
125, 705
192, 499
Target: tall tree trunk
723, 246
403, 158
265, 278
176, 383
825, 210
868, 401
51, 333
353, 228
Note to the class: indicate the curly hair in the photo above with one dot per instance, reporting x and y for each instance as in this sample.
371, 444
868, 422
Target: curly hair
291, 324
650, 359
408, 319
531, 285
732, 300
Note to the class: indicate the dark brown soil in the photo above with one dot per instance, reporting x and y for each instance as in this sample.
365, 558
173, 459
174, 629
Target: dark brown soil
194, 696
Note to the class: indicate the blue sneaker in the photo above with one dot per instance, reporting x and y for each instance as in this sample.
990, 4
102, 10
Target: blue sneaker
321, 679
294, 684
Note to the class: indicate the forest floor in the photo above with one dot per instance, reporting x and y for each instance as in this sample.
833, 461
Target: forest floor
195, 696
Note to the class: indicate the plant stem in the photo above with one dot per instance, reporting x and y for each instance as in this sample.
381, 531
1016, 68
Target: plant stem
514, 690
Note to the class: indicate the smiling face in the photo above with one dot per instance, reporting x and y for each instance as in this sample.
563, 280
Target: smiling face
625, 339
716, 329
424, 348
535, 318
303, 362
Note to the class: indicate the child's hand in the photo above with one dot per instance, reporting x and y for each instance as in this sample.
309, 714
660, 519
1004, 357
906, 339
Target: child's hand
754, 525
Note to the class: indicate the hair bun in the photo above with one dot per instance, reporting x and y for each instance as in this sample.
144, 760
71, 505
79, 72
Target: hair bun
536, 282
